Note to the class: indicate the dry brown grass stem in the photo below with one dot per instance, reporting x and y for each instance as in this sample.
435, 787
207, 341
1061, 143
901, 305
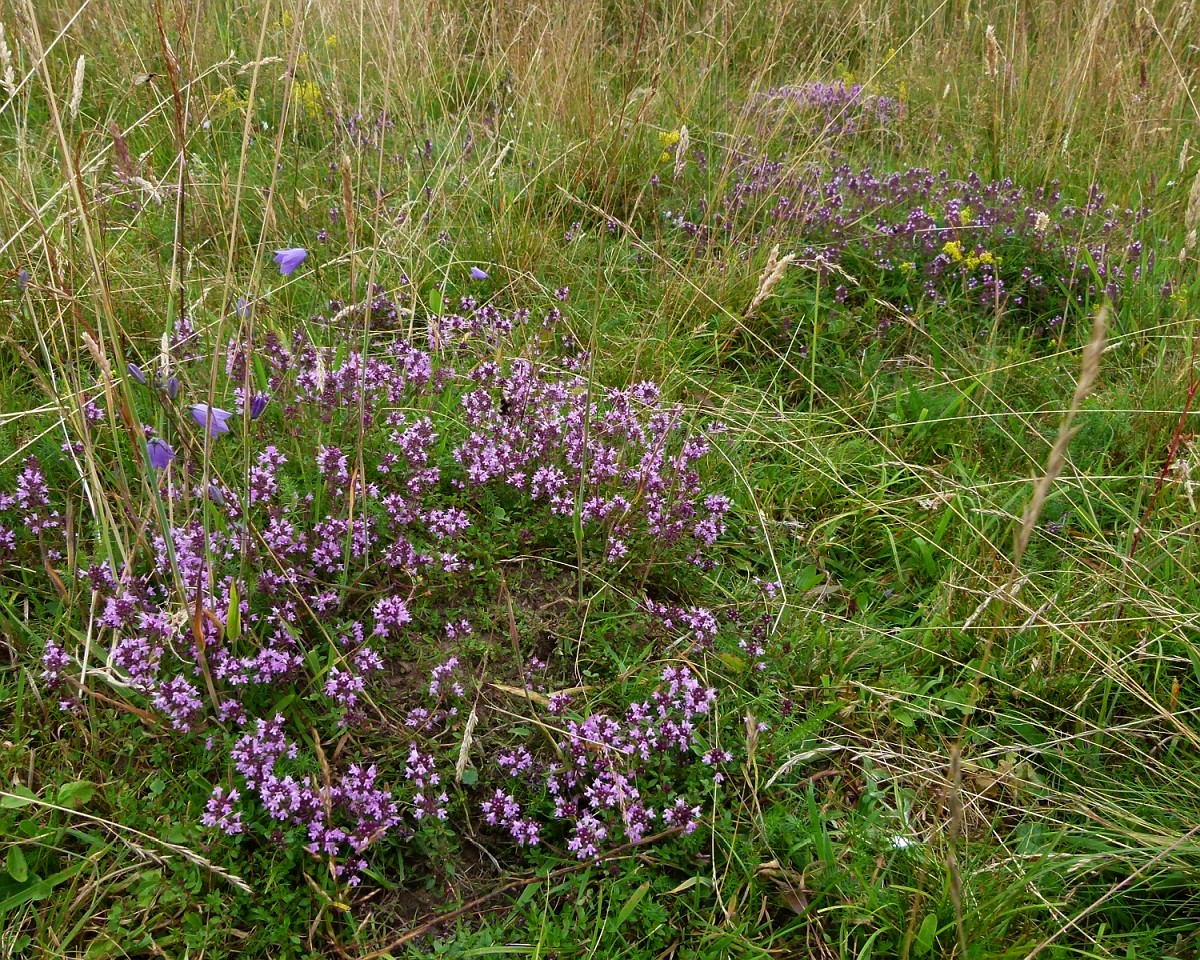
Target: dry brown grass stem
1089, 371
124, 832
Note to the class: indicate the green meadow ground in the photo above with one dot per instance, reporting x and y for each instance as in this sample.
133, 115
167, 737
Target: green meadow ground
976, 733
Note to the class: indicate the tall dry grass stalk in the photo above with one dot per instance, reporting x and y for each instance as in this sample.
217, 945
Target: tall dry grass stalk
1089, 371
1055, 461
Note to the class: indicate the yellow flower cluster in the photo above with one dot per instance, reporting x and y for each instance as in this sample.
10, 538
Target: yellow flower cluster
668, 139
972, 261
230, 100
308, 95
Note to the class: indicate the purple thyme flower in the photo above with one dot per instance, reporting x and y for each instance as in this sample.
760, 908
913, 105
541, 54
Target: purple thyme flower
56, 662
390, 614
219, 812
477, 274
681, 815
290, 259
136, 372
213, 419
160, 453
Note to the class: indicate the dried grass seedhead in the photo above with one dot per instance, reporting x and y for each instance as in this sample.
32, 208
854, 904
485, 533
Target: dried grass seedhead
681, 149
98, 355
8, 75
993, 56
123, 162
1191, 218
771, 275
77, 88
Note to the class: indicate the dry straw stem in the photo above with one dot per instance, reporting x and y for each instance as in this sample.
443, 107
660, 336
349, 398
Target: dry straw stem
119, 830
1089, 371
1141, 871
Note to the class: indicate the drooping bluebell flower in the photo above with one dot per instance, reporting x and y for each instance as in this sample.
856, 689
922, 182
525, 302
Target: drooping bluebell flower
213, 419
290, 259
172, 387
160, 453
477, 274
136, 372
23, 278
242, 307
258, 403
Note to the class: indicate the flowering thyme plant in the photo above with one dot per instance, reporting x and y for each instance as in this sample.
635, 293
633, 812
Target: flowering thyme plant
313, 551
911, 235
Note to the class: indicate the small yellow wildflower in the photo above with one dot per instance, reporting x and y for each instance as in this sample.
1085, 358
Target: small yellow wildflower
907, 267
976, 260
966, 215
953, 249
331, 41
229, 100
286, 20
903, 90
668, 138
665, 157
308, 95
